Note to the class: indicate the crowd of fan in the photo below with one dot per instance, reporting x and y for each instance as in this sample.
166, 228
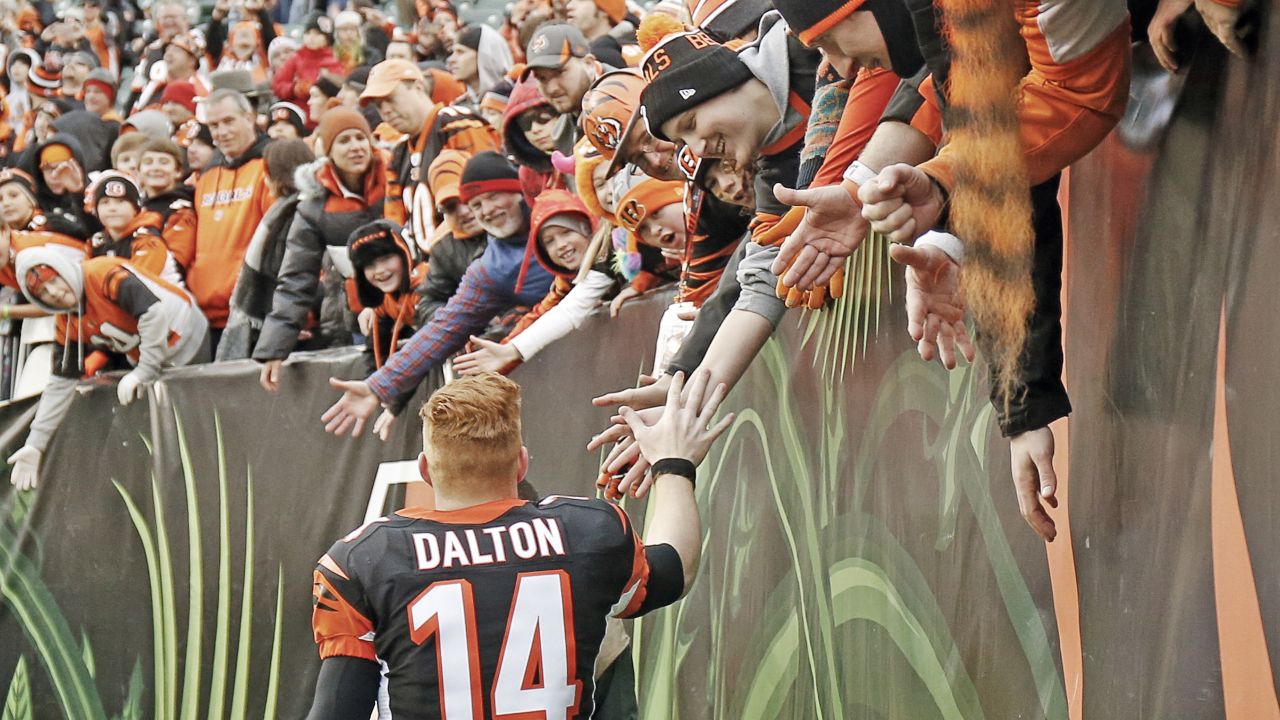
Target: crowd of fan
178, 193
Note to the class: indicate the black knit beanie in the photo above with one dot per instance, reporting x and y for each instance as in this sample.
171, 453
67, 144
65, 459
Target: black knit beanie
684, 71
470, 37
899, 35
116, 185
488, 172
810, 18
328, 84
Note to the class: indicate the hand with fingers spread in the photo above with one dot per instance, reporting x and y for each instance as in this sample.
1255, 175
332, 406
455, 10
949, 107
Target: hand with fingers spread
353, 409
1160, 32
901, 203
489, 356
652, 392
935, 304
1221, 21
1034, 480
684, 429
623, 470
831, 230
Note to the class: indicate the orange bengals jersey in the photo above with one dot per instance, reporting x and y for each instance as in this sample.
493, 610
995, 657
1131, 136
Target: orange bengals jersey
496, 610
116, 294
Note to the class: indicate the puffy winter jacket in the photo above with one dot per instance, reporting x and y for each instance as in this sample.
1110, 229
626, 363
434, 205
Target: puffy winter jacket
327, 215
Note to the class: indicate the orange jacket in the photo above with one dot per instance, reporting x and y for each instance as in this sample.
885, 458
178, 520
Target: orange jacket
231, 197
1076, 90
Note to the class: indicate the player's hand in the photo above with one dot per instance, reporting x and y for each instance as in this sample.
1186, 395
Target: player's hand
683, 429
1160, 32
488, 356
628, 293
1221, 21
365, 321
353, 409
1031, 460
902, 203
382, 426
651, 393
935, 304
625, 470
832, 228
269, 377
26, 468
130, 388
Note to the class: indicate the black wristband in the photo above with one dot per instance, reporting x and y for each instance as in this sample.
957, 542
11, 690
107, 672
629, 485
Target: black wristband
675, 466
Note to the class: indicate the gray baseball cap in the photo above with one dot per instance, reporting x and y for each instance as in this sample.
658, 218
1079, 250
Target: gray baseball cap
552, 45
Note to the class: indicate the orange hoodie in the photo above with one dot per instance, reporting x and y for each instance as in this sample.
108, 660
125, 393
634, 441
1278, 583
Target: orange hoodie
231, 197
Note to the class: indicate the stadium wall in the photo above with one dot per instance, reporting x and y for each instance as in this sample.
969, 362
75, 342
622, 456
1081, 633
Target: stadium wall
863, 556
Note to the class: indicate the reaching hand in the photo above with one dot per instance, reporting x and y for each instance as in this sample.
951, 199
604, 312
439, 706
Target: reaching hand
1160, 32
382, 426
26, 468
130, 388
269, 378
624, 469
353, 409
831, 230
682, 430
1221, 21
652, 392
902, 202
935, 304
488, 356
365, 321
628, 293
1031, 460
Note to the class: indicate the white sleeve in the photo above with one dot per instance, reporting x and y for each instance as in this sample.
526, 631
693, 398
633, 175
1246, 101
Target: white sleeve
567, 316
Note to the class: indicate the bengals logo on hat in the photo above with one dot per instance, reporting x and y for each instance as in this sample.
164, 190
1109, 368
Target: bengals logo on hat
606, 132
631, 214
538, 45
115, 189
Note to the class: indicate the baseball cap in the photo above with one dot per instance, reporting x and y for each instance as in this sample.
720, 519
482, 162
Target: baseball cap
386, 75
609, 114
552, 45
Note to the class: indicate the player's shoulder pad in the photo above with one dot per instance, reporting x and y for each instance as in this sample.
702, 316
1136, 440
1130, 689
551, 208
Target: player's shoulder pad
592, 514
364, 535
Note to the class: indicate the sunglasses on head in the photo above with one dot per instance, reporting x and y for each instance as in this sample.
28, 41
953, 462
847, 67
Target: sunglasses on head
533, 117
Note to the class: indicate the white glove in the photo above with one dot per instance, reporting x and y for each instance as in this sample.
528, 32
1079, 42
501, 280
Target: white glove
131, 388
26, 468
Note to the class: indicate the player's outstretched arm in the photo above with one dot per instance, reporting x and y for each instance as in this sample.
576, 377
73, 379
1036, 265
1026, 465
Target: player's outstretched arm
674, 444
347, 688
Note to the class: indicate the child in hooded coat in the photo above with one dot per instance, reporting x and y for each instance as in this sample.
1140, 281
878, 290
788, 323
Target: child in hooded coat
108, 305
383, 292
293, 81
564, 237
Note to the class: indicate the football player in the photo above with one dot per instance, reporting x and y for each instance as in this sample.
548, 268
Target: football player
489, 605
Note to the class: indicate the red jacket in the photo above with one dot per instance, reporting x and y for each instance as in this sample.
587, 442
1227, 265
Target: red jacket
294, 79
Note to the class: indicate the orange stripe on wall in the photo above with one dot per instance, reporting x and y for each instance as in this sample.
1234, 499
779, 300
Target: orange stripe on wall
1248, 687
1061, 554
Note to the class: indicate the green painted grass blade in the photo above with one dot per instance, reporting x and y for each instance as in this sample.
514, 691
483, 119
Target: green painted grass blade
17, 702
195, 575
159, 655
221, 638
240, 688
273, 675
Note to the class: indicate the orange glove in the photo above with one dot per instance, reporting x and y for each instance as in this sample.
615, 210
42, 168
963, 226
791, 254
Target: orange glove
94, 363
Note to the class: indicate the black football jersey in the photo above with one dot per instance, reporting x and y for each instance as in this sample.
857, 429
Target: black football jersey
492, 611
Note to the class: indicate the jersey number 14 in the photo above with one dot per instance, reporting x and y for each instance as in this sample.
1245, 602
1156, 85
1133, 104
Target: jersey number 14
536, 675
